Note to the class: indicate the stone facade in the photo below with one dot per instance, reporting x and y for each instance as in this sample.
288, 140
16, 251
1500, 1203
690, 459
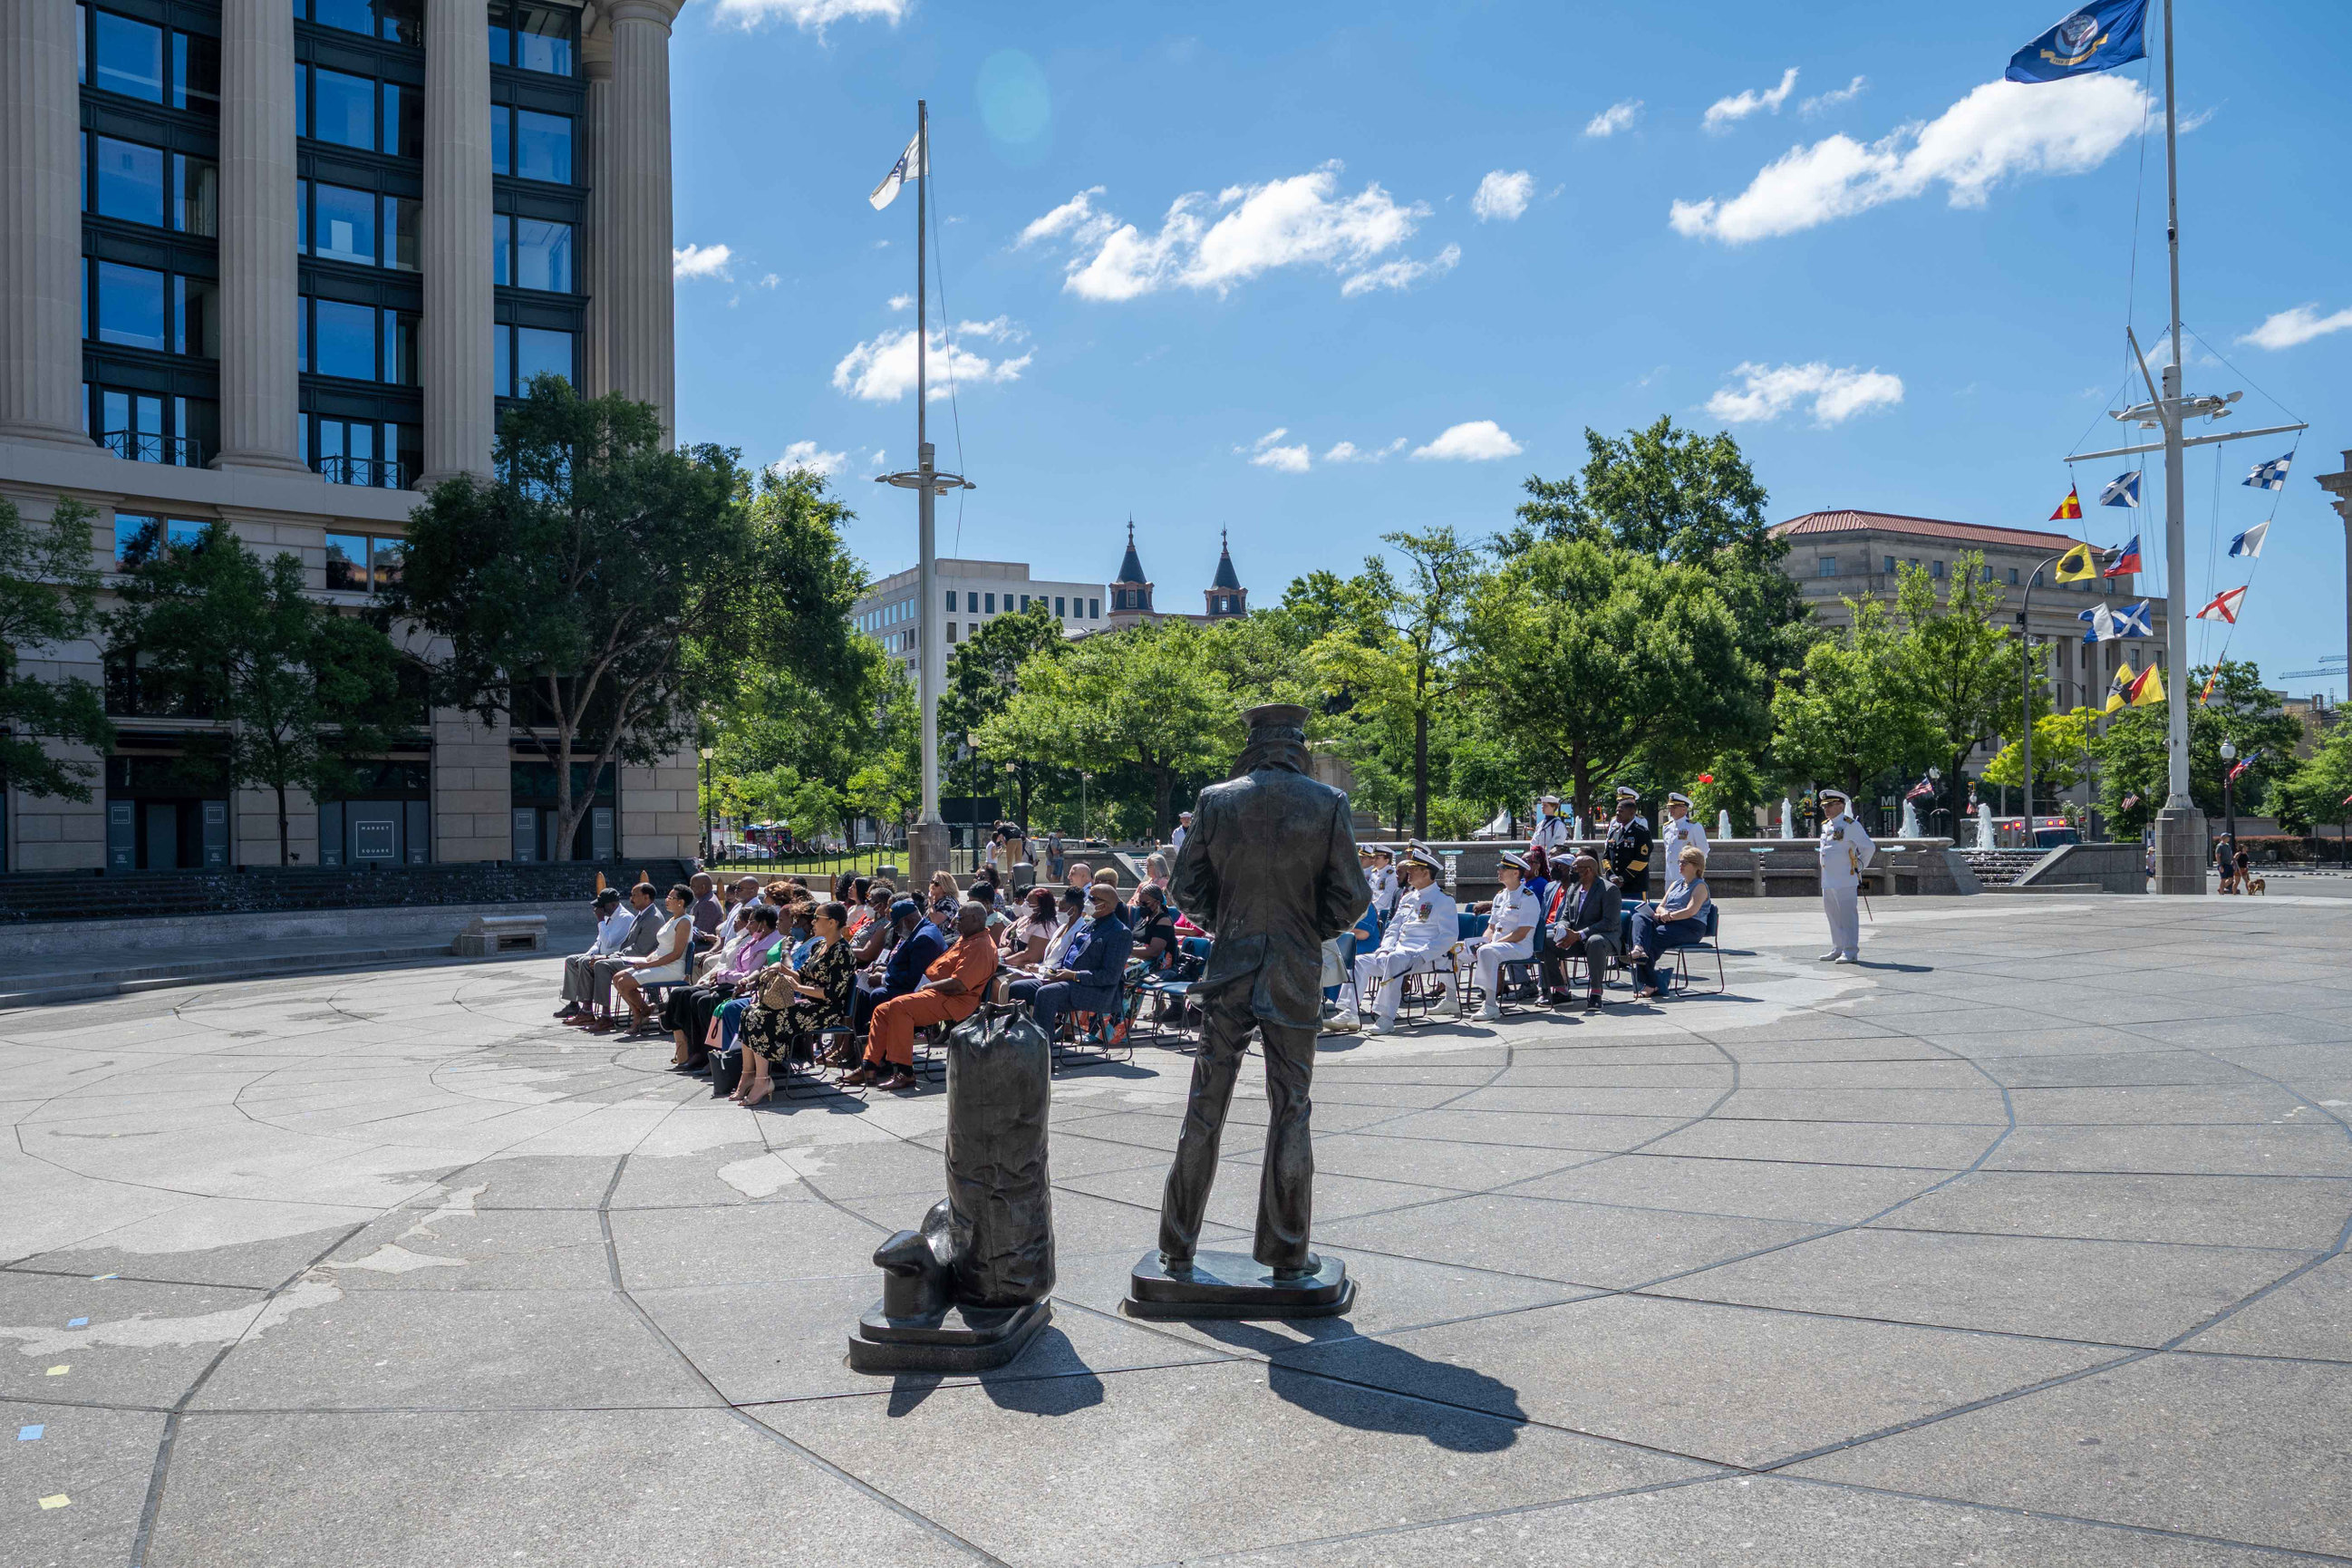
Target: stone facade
260, 478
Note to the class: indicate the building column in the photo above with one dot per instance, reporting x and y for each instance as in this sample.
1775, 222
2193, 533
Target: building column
597, 159
636, 267
260, 383
41, 223
455, 345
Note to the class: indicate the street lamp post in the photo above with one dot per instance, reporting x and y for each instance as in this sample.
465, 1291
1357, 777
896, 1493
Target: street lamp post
709, 844
2228, 796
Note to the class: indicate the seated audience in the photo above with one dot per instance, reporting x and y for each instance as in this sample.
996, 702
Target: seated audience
687, 1010
1023, 943
1090, 969
1588, 923
1674, 921
1510, 937
646, 920
952, 986
708, 911
915, 941
613, 926
1417, 941
942, 899
665, 965
796, 1004
874, 937
1155, 928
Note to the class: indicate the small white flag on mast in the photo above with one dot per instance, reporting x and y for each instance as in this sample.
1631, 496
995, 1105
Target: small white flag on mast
908, 167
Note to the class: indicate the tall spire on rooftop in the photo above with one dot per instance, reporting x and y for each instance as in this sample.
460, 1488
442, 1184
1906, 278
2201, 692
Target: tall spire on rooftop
1131, 568
1225, 594
1224, 577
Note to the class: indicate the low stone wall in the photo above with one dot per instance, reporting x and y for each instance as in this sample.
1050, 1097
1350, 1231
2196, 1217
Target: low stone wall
570, 926
2113, 868
40, 897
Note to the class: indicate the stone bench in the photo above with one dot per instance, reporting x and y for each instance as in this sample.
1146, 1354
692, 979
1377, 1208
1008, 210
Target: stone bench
485, 935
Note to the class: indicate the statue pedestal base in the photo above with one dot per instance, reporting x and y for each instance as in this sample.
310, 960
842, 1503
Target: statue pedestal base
963, 1339
1235, 1284
927, 851
2183, 851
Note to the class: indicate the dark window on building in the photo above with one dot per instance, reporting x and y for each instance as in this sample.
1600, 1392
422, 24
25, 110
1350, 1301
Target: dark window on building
342, 340
1094, 609
543, 254
195, 194
542, 146
534, 37
344, 225
136, 538
129, 57
1829, 565
541, 351
195, 317
127, 181
129, 306
400, 21
195, 73
1057, 606
404, 120
342, 109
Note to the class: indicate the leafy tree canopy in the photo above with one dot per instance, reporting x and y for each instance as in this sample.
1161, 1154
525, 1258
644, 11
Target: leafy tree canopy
48, 596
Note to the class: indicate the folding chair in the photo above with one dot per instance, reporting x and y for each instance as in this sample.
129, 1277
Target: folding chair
1710, 918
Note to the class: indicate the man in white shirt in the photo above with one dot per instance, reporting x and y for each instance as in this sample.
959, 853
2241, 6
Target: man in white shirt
1417, 941
1846, 852
1682, 831
1183, 831
612, 925
1510, 936
1553, 831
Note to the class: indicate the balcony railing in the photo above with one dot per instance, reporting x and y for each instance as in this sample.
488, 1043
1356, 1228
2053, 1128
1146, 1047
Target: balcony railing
374, 473
146, 447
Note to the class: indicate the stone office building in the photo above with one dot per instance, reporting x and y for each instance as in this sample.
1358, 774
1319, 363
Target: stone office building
278, 263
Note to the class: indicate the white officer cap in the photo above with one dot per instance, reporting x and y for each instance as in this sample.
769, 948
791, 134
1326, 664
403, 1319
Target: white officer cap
1835, 793
1627, 792
1675, 794
1513, 857
1424, 857
1549, 800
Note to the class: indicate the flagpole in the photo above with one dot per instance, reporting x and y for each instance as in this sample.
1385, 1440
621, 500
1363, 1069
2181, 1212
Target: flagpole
932, 631
2177, 803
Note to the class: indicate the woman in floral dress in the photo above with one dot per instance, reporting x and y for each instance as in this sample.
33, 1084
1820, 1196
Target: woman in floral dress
816, 997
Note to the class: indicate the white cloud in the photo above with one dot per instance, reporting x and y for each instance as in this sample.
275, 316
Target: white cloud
770, 280
902, 301
1348, 452
1503, 195
1267, 452
810, 15
2288, 328
701, 261
1397, 273
1834, 96
2002, 129
883, 371
1613, 119
1770, 391
1475, 441
806, 454
1301, 221
1725, 112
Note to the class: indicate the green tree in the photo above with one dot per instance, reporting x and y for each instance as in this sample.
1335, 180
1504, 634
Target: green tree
2136, 754
2320, 789
1410, 666
1592, 656
1963, 660
981, 676
1678, 496
603, 590
49, 595
1852, 710
2064, 747
1148, 699
303, 689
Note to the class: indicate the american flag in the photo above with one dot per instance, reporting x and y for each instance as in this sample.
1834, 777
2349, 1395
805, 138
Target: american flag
1923, 790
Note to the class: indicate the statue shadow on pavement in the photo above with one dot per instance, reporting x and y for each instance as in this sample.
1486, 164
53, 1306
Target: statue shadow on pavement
1045, 1379
1351, 1380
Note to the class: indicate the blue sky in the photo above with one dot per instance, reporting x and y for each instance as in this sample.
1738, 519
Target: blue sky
1900, 292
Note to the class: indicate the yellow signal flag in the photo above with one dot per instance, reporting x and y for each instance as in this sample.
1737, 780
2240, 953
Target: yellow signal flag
2148, 687
2077, 565
2119, 688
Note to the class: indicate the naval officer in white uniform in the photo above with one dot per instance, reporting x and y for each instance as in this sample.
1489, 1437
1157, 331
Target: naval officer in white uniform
1511, 920
1681, 832
1846, 852
1417, 941
1553, 831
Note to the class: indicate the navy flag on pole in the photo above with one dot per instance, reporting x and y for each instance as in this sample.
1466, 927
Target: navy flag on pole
2098, 37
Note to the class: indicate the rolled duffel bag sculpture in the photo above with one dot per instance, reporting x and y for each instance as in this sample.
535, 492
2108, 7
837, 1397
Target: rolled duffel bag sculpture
969, 1289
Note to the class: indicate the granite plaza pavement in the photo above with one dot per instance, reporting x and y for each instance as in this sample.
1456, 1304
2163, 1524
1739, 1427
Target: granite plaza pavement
2020, 1244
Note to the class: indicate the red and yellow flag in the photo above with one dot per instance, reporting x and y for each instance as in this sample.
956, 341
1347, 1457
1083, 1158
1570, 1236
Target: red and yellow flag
2148, 687
2210, 677
2069, 509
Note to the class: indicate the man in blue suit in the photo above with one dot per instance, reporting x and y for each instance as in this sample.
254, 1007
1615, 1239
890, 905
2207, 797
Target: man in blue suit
919, 941
1091, 969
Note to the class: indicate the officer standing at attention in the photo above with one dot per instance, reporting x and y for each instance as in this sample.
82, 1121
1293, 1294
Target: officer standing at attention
1846, 853
1682, 831
1384, 883
1553, 832
1628, 849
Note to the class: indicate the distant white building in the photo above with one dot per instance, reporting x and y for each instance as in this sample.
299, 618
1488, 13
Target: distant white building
972, 594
